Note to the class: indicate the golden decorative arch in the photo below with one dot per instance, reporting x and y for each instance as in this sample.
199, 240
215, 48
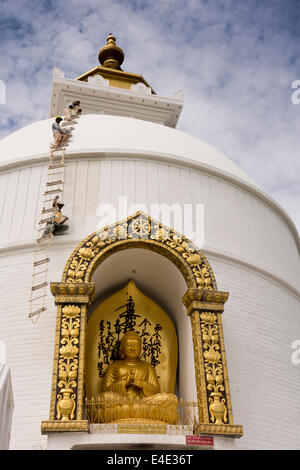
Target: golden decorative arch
203, 302
140, 231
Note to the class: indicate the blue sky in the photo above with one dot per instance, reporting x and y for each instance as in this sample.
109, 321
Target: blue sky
235, 61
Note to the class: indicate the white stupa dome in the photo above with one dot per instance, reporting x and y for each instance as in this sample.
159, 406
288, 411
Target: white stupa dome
119, 139
105, 134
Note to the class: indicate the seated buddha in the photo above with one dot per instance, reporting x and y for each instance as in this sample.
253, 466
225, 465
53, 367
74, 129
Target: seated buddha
131, 391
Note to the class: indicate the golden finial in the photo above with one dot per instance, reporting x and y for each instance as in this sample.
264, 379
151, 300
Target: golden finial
110, 55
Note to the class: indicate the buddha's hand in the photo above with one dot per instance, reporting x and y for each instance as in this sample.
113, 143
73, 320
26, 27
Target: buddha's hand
130, 378
138, 383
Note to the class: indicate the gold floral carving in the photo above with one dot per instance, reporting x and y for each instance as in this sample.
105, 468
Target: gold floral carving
213, 367
199, 368
63, 288
64, 292
195, 298
139, 230
68, 362
228, 430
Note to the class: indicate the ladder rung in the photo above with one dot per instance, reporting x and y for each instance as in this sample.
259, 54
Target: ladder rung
53, 191
50, 200
32, 314
53, 183
56, 165
56, 173
40, 272
39, 286
46, 237
37, 298
42, 248
42, 261
58, 149
49, 219
52, 209
42, 229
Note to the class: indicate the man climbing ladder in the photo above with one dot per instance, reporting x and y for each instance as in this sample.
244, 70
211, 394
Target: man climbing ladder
60, 135
57, 225
72, 110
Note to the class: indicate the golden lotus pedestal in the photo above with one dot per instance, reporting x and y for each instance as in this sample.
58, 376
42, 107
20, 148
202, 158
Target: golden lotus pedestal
141, 417
158, 409
138, 421
140, 426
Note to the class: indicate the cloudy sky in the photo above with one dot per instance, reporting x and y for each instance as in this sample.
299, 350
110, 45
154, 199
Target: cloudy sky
235, 60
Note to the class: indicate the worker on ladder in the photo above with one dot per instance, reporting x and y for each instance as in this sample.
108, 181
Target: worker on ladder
72, 110
60, 135
57, 225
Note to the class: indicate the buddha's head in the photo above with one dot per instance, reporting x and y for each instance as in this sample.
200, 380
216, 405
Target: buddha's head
131, 345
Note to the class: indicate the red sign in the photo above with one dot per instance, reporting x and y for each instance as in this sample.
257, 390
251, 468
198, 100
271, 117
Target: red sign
200, 440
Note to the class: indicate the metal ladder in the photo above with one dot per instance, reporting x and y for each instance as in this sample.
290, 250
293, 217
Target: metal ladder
54, 187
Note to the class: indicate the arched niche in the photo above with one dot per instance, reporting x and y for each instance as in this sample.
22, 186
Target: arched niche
161, 281
203, 304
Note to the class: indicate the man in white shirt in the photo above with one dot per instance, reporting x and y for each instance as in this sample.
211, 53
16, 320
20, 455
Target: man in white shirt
60, 136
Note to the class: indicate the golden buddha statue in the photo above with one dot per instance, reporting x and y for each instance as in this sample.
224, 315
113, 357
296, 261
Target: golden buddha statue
131, 391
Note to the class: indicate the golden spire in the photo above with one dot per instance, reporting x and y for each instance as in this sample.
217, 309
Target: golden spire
111, 56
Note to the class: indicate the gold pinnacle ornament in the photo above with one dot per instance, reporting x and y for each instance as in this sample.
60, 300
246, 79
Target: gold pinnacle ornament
110, 55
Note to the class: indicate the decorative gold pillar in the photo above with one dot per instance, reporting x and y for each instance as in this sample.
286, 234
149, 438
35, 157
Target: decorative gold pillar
67, 395
215, 411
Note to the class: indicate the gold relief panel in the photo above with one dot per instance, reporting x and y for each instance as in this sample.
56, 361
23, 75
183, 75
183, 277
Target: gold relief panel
213, 366
68, 362
68, 368
215, 411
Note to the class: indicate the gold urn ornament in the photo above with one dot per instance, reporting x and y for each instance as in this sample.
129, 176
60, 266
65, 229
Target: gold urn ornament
66, 404
217, 408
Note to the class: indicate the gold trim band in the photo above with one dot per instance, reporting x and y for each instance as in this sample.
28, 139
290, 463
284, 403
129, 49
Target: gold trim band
64, 426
